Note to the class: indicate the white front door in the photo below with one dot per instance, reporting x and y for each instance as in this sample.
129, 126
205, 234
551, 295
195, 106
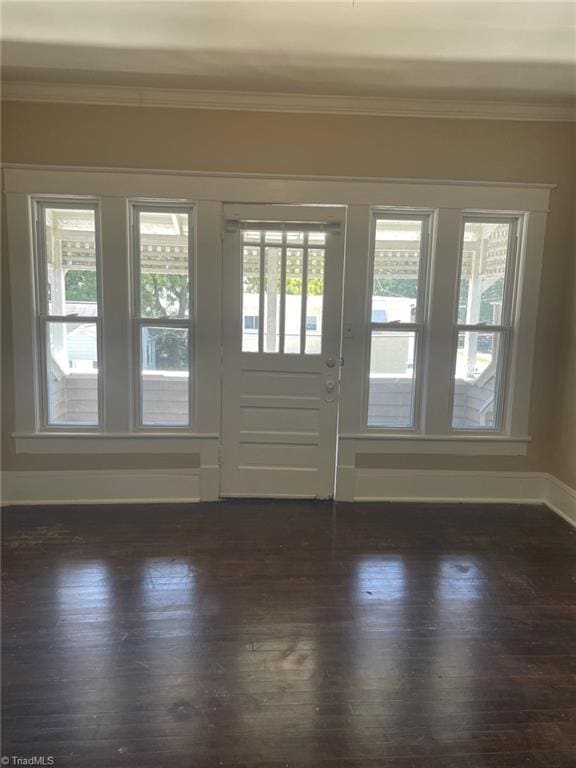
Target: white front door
282, 280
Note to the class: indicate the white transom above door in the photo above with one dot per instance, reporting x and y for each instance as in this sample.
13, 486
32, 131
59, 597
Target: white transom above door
282, 293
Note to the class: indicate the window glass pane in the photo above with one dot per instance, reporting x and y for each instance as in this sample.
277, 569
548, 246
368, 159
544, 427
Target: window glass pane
391, 386
251, 322
250, 294
72, 373
293, 299
164, 257
311, 323
272, 276
379, 316
315, 295
164, 375
70, 243
396, 269
483, 271
476, 388
273, 237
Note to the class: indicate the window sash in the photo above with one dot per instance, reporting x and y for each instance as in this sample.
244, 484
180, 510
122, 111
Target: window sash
505, 328
392, 330
43, 316
162, 207
140, 403
40, 206
510, 275
502, 374
44, 325
164, 321
418, 327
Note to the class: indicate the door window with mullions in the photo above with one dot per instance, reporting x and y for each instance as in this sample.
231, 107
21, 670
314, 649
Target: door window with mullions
282, 288
486, 280
162, 258
68, 299
400, 245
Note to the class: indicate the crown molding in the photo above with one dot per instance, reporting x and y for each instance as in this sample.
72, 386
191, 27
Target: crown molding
117, 95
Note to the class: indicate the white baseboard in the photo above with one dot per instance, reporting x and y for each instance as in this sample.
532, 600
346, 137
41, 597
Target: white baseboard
444, 485
447, 485
189, 485
562, 499
101, 486
210, 483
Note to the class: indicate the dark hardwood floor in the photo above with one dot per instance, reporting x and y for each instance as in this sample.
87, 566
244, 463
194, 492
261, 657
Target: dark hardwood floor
277, 634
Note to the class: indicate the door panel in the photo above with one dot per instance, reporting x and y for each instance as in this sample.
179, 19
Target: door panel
282, 329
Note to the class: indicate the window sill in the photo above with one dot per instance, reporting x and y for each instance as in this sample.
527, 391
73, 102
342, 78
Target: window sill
109, 442
463, 445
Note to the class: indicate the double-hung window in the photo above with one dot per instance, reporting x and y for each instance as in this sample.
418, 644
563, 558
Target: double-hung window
408, 333
400, 243
162, 313
70, 309
484, 321
68, 294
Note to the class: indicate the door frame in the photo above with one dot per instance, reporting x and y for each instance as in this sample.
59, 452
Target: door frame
332, 218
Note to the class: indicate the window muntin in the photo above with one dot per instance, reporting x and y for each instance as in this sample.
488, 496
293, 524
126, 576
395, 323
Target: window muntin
397, 310
484, 321
67, 248
162, 258
282, 282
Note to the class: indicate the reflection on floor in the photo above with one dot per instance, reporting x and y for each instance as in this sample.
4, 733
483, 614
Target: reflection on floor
273, 634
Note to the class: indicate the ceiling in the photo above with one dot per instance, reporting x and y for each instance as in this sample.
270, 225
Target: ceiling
523, 51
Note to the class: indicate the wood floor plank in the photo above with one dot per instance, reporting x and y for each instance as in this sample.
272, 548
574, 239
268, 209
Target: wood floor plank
275, 633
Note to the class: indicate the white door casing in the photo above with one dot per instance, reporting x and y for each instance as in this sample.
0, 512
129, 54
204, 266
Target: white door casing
281, 349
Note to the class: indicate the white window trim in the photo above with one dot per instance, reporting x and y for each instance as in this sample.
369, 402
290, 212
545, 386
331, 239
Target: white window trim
114, 187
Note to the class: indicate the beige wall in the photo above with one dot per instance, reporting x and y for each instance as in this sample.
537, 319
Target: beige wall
132, 137
564, 436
